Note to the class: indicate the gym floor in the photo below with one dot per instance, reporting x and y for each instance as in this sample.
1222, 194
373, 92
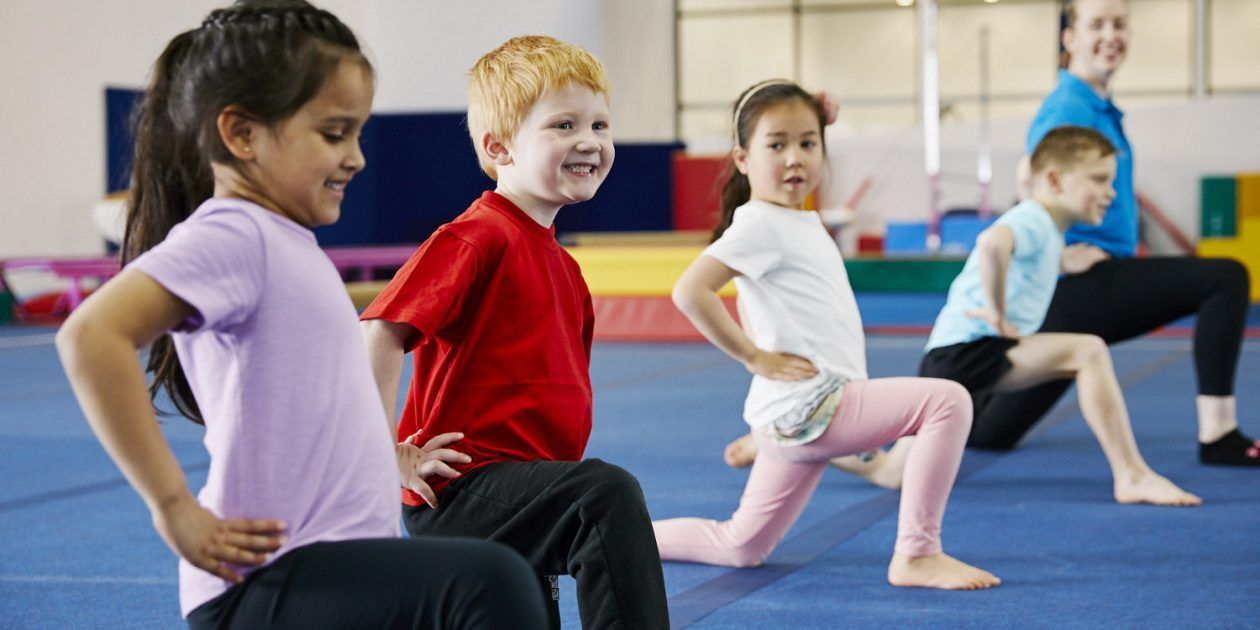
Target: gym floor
79, 551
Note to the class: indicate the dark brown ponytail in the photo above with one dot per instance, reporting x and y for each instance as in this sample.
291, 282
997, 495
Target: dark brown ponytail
736, 190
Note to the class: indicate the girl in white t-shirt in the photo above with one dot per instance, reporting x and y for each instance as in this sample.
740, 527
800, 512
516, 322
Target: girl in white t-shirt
810, 398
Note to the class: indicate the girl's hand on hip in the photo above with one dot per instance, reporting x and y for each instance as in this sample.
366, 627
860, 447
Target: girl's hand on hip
781, 366
211, 543
415, 463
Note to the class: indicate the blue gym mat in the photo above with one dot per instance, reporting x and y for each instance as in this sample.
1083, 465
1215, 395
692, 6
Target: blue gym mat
79, 551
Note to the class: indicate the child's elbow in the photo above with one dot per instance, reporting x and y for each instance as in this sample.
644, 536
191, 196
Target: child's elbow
73, 336
684, 296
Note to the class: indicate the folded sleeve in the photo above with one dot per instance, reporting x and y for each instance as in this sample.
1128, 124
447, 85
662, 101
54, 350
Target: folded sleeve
430, 291
216, 263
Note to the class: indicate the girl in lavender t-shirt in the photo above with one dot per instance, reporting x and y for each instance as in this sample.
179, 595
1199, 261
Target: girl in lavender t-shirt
246, 139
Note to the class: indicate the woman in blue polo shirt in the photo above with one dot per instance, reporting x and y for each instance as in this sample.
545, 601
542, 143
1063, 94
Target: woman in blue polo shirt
1105, 289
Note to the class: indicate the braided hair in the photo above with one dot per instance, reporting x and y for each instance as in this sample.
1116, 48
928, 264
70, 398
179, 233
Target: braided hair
268, 57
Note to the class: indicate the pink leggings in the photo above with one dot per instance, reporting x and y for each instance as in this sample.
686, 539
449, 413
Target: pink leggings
871, 414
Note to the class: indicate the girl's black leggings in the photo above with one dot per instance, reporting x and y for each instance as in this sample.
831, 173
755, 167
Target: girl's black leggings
383, 583
1119, 299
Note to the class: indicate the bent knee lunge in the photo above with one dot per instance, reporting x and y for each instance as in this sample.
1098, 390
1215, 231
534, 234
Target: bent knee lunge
950, 404
1090, 350
608, 484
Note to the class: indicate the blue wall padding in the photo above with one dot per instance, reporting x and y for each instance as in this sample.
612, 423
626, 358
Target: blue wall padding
637, 196
959, 233
422, 172
906, 238
118, 142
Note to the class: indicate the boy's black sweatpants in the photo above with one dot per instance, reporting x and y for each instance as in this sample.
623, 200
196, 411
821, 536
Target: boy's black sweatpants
586, 519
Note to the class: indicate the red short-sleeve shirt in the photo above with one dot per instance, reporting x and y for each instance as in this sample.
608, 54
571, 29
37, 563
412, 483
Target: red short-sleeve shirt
502, 354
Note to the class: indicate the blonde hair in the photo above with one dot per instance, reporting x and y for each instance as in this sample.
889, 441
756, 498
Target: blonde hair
1065, 146
506, 82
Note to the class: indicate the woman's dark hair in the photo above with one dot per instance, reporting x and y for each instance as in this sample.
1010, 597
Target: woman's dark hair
745, 114
268, 57
1067, 19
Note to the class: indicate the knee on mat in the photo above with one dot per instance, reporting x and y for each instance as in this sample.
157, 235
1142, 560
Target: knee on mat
750, 554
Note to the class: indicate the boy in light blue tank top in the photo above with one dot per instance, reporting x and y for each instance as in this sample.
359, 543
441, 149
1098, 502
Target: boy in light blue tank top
986, 336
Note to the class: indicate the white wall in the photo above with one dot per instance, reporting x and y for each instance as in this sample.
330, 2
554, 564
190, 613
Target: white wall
638, 52
423, 50
1173, 146
865, 53
56, 58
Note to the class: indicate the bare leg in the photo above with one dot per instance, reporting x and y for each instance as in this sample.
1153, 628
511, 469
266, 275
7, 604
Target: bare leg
1048, 356
741, 452
1218, 415
880, 467
938, 571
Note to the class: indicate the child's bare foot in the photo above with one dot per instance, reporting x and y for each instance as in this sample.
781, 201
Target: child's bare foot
1149, 487
884, 469
741, 452
938, 571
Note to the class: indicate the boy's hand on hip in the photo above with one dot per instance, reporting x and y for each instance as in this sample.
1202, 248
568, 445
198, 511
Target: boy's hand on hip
211, 543
415, 463
1081, 257
781, 366
998, 321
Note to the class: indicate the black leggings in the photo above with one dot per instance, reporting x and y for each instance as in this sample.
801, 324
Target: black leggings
586, 519
1123, 298
383, 583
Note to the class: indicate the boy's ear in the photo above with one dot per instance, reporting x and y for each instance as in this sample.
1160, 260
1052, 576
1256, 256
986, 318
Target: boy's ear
238, 131
495, 150
1054, 179
740, 156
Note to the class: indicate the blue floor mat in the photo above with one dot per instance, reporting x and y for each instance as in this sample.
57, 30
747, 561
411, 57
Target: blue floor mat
78, 549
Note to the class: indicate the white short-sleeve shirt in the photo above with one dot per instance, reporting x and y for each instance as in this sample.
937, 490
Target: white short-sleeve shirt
795, 294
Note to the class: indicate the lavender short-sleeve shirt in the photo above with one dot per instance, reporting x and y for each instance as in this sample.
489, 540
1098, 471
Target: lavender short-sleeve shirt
275, 359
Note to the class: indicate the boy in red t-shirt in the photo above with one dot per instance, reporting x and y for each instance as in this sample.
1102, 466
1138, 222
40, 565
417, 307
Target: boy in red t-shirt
499, 320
